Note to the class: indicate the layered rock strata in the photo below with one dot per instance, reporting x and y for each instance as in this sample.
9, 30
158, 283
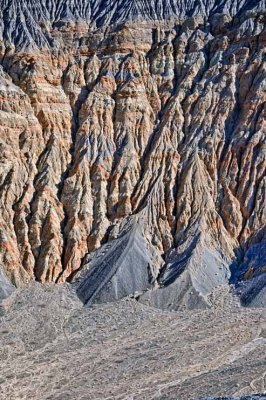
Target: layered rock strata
136, 149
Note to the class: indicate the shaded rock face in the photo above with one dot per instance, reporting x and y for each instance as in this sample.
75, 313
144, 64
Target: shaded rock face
117, 270
5, 287
143, 139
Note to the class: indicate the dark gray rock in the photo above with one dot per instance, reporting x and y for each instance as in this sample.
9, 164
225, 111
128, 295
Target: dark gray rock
6, 288
252, 292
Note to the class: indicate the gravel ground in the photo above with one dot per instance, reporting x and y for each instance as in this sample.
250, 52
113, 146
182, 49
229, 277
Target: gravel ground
51, 347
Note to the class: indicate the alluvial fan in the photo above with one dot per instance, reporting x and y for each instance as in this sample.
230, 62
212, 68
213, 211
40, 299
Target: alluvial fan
127, 350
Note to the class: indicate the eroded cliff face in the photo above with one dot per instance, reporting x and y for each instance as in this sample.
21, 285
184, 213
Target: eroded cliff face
149, 131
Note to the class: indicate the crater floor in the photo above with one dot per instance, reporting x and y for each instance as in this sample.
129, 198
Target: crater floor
52, 347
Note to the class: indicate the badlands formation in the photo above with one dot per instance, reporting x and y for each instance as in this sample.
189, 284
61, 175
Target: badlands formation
132, 199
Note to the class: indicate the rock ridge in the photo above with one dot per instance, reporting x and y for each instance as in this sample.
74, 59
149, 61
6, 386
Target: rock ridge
158, 125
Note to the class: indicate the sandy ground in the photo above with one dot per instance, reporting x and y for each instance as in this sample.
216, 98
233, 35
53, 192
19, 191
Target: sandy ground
51, 347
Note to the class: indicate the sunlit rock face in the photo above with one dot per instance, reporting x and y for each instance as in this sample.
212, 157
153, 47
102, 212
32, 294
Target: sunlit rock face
132, 142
